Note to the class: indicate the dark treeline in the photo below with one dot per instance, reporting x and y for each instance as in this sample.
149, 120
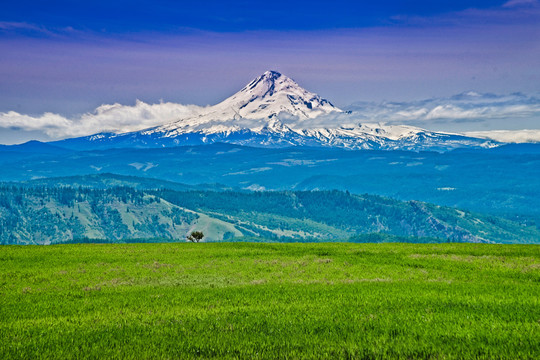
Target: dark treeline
14, 195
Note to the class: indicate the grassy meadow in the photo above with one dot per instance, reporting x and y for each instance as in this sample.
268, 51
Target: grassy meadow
246, 300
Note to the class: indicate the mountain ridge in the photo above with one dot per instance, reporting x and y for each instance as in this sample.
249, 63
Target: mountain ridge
275, 111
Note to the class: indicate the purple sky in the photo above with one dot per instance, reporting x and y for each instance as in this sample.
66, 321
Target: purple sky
68, 71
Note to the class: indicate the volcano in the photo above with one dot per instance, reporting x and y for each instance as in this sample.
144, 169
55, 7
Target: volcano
275, 111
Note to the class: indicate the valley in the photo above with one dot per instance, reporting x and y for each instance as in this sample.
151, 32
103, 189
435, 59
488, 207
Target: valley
272, 162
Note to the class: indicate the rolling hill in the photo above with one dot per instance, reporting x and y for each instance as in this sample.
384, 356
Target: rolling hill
45, 215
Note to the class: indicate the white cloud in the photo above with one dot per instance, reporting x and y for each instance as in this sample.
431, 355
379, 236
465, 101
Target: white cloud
465, 107
516, 3
435, 114
24, 27
18, 27
508, 136
13, 25
106, 118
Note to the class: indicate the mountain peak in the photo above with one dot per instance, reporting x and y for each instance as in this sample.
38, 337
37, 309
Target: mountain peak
269, 81
273, 93
262, 100
265, 84
271, 73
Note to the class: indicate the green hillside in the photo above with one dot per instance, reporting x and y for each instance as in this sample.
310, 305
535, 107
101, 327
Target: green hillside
334, 214
45, 215
56, 215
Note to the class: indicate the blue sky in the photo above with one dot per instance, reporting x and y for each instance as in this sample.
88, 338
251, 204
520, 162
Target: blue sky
121, 16
69, 57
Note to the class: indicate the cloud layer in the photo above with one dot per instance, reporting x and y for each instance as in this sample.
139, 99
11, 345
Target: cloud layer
508, 136
462, 112
462, 108
106, 118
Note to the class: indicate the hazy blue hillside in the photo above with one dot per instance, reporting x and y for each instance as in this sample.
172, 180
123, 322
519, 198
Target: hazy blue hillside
34, 148
108, 180
43, 215
502, 181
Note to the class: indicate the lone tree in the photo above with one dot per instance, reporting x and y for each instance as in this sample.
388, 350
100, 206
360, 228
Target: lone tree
195, 236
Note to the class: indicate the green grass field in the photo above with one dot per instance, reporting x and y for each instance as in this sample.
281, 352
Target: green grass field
244, 300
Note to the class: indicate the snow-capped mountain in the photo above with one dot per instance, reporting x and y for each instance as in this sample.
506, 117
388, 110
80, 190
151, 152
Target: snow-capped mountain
256, 107
273, 110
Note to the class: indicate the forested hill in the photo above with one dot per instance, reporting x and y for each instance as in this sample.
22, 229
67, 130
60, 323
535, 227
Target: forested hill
44, 215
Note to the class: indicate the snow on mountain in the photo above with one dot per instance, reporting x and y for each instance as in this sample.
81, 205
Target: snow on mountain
271, 94
261, 101
273, 110
390, 137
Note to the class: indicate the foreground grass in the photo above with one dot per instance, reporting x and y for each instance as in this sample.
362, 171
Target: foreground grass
241, 300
